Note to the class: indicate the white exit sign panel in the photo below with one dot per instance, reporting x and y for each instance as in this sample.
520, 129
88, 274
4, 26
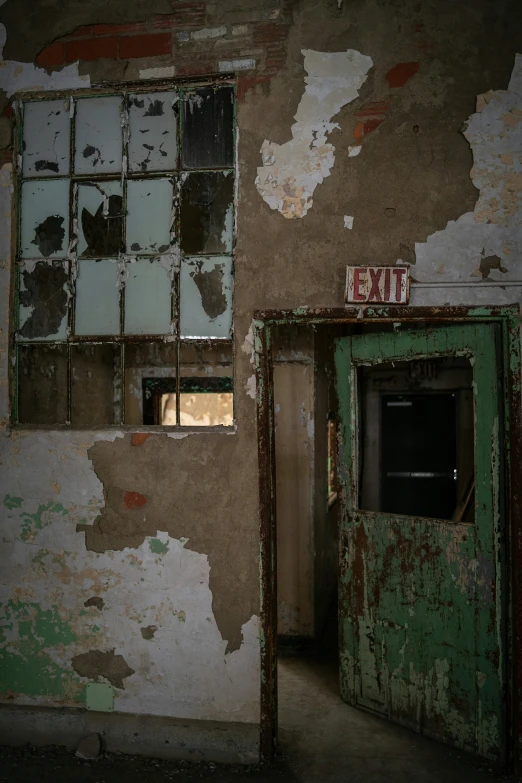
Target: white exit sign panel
382, 284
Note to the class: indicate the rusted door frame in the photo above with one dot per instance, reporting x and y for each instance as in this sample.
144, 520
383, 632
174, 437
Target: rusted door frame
509, 319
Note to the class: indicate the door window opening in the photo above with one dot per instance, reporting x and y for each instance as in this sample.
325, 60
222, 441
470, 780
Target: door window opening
416, 440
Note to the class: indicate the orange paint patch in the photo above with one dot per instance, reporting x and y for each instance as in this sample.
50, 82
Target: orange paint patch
364, 128
139, 437
401, 73
134, 500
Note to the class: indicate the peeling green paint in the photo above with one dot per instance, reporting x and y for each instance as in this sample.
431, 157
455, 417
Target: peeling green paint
26, 666
421, 599
158, 547
43, 516
10, 502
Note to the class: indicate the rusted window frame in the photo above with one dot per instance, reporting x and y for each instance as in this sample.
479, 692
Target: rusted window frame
508, 319
116, 89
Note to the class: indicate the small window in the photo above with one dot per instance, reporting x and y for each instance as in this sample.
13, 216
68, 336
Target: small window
124, 261
203, 402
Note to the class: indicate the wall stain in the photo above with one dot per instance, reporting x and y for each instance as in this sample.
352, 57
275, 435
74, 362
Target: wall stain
95, 664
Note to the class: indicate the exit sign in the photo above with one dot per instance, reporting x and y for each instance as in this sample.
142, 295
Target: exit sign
382, 284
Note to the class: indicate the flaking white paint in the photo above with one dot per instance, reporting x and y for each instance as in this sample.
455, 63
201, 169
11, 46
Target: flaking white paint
181, 670
16, 76
494, 228
291, 172
250, 387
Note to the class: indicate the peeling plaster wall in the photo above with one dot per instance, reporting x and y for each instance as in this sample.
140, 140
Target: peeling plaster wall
292, 171
400, 81
50, 578
486, 244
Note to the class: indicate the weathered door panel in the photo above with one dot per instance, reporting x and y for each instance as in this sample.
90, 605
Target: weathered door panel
421, 618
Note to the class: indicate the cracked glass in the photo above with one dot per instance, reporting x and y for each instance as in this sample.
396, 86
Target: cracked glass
125, 232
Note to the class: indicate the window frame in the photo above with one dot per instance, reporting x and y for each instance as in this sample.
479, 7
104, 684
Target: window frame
123, 89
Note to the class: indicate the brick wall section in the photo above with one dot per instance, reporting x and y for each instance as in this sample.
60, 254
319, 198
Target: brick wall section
249, 40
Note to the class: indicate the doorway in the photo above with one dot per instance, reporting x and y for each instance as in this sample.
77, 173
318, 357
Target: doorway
419, 390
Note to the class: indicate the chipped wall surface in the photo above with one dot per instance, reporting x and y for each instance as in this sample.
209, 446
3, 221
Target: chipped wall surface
134, 559
76, 614
485, 244
292, 171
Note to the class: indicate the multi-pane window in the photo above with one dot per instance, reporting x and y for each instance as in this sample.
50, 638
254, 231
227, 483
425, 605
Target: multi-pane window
124, 256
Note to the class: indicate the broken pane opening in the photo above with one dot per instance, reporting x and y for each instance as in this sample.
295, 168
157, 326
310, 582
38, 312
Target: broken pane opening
416, 442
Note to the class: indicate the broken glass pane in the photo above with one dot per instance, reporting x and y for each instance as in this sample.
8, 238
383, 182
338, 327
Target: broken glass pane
208, 122
46, 144
42, 384
45, 218
206, 297
149, 215
100, 219
206, 386
98, 135
43, 300
145, 364
97, 298
148, 299
153, 131
207, 212
95, 385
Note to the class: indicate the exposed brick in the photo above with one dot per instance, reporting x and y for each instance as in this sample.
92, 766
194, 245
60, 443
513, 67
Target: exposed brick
185, 15
80, 32
196, 68
268, 33
139, 438
151, 45
51, 55
399, 74
364, 128
119, 29
133, 500
91, 49
375, 108
246, 83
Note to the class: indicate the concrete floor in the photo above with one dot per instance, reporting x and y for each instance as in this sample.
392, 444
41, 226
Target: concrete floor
323, 739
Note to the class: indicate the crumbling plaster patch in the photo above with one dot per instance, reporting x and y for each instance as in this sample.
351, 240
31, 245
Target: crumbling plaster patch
291, 172
50, 573
494, 228
16, 76
186, 514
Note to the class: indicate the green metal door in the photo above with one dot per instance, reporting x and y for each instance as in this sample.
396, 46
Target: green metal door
421, 599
